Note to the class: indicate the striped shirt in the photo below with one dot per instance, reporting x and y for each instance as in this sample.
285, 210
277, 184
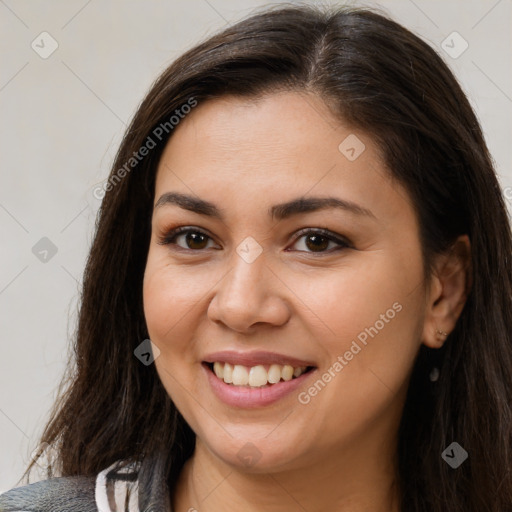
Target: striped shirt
117, 489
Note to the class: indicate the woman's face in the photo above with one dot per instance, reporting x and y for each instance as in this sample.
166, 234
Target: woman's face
255, 288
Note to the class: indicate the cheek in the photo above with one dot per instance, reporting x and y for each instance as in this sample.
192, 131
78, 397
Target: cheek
167, 301
168, 306
172, 298
170, 295
374, 318
355, 297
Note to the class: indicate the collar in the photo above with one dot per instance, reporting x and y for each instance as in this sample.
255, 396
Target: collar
133, 487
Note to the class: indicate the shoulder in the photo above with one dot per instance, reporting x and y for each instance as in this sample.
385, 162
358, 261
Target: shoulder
113, 488
55, 494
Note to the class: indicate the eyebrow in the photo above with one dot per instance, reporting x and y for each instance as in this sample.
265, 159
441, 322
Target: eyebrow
278, 211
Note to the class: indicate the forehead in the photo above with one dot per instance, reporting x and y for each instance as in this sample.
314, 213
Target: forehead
273, 147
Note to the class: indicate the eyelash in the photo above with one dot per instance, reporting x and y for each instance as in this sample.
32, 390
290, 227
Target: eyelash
170, 237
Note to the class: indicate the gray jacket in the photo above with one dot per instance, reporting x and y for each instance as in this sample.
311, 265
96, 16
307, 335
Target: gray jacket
134, 488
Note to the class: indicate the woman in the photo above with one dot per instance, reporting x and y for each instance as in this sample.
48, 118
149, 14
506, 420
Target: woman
304, 219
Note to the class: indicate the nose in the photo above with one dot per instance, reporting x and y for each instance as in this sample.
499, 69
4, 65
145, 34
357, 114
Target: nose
249, 294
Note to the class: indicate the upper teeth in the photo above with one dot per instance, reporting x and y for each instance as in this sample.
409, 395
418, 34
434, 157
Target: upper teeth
255, 376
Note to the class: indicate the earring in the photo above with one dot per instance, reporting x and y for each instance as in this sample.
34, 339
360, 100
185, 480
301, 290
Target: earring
434, 374
441, 335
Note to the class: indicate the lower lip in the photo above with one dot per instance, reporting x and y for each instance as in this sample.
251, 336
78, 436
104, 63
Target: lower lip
250, 398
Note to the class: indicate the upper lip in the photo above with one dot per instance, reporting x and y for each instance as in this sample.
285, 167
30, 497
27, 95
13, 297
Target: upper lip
255, 358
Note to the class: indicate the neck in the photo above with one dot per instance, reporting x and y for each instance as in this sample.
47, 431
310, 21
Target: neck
349, 480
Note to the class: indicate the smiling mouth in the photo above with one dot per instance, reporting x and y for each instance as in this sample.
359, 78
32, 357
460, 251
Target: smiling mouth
258, 376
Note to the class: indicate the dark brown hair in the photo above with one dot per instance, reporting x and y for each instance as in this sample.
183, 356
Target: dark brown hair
378, 77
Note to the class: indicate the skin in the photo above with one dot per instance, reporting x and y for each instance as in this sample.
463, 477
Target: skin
336, 452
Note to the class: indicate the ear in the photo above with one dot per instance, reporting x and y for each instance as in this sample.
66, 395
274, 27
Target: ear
450, 284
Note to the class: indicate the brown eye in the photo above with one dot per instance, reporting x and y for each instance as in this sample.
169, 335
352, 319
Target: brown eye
320, 241
195, 240
187, 239
316, 242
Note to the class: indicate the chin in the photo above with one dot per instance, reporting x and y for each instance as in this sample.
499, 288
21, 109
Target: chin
253, 454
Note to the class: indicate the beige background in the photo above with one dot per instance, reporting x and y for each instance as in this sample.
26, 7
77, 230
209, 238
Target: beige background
62, 119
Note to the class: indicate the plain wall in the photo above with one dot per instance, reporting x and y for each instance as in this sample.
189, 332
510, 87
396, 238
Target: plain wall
62, 118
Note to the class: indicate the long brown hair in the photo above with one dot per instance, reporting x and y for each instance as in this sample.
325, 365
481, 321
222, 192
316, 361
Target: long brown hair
378, 77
